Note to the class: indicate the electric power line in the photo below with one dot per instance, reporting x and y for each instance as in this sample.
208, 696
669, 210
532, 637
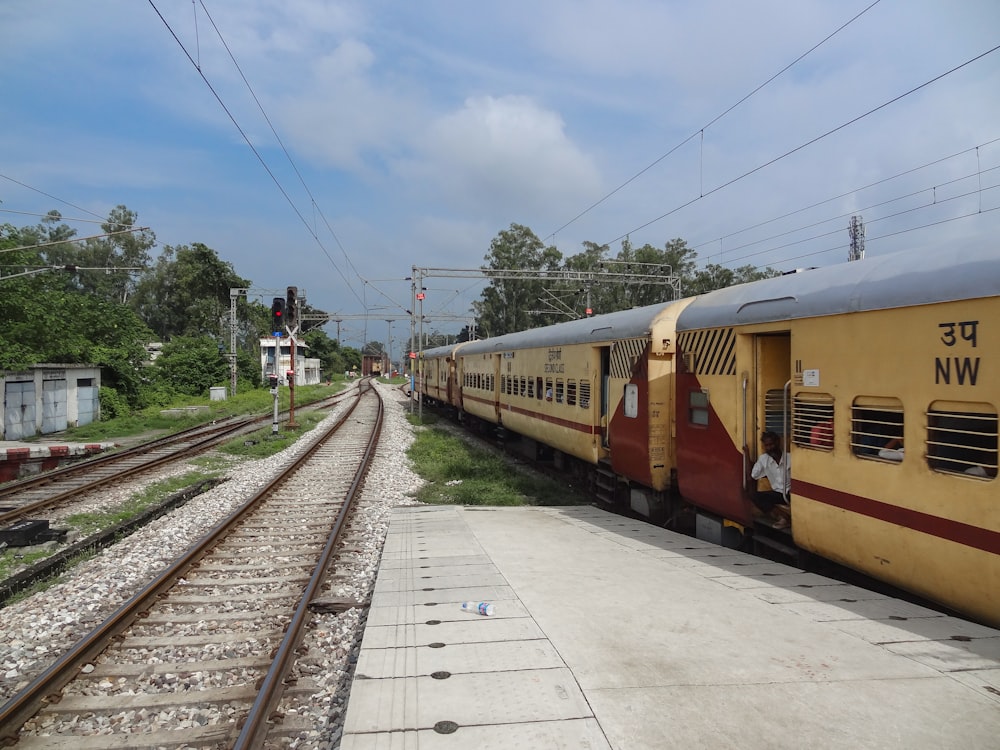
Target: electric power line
805, 144
256, 153
714, 120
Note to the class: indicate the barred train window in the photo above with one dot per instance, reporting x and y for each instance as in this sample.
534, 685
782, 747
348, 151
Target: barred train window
962, 439
775, 418
540, 391
559, 390
571, 393
877, 428
812, 421
531, 388
523, 385
584, 394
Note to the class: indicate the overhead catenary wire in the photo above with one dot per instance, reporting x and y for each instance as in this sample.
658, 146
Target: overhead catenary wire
47, 195
277, 137
700, 131
256, 153
847, 193
801, 146
879, 204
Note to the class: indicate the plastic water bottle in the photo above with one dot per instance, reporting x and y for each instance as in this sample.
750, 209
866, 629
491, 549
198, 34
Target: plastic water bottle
482, 608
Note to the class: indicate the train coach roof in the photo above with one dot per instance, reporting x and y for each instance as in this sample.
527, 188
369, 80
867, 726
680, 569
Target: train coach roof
897, 280
624, 324
440, 351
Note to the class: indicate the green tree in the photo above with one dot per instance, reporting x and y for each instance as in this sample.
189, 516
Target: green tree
124, 246
714, 276
186, 293
191, 365
47, 319
507, 304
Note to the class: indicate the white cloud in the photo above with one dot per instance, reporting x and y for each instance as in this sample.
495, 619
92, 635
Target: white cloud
502, 156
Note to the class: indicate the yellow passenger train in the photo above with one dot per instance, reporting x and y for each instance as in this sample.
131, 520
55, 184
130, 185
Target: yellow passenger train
880, 376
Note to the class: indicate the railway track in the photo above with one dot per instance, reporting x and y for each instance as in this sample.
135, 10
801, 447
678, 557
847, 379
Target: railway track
231, 610
34, 495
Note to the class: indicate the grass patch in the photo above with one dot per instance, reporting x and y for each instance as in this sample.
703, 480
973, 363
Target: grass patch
11, 559
91, 522
48, 582
259, 401
262, 443
463, 474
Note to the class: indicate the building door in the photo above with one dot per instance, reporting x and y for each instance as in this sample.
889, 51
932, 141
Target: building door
19, 410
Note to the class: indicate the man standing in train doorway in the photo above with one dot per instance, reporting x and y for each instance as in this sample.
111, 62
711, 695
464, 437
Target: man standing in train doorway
774, 464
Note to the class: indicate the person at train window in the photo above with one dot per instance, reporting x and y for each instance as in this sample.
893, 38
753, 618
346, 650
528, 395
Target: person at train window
893, 450
548, 393
774, 464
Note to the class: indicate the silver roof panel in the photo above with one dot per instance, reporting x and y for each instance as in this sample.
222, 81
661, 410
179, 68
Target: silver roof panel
914, 277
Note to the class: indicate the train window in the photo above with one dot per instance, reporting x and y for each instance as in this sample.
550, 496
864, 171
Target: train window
560, 391
630, 401
877, 428
524, 386
548, 389
812, 421
531, 388
571, 393
540, 389
775, 416
503, 383
698, 407
962, 439
584, 394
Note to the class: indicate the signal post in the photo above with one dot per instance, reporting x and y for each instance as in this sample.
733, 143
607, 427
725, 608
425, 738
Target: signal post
292, 325
277, 326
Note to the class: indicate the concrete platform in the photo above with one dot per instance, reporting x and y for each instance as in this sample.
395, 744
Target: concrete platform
17, 450
19, 459
611, 633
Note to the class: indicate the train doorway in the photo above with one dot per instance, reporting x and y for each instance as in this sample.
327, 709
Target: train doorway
605, 387
771, 409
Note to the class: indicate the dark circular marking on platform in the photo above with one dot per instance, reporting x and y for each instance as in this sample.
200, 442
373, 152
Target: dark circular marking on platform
445, 727
440, 675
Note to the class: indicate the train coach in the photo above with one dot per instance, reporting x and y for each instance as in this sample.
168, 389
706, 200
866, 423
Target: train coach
662, 407
595, 393
437, 382
842, 362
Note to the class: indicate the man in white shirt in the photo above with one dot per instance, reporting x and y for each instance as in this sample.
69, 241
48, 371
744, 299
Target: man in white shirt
773, 464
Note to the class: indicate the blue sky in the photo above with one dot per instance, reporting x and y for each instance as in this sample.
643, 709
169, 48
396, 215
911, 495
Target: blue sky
417, 131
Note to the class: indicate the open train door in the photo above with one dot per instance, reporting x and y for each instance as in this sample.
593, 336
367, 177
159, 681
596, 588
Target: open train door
766, 398
604, 395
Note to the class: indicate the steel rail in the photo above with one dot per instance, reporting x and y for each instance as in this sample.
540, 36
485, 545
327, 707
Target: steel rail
256, 725
45, 502
212, 435
46, 687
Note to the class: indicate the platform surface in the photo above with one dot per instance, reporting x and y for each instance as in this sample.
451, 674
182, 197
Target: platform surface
611, 633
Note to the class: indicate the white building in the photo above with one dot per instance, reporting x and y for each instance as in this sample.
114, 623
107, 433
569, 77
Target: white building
49, 398
307, 369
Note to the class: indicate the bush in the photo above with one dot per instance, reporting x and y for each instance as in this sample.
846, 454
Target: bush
113, 404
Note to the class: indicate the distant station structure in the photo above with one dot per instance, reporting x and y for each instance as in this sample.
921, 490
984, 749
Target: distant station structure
375, 364
48, 398
307, 369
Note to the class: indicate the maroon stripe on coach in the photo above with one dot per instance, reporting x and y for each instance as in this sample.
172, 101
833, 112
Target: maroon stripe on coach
943, 528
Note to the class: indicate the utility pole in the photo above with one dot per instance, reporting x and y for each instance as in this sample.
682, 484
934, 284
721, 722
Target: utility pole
857, 231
